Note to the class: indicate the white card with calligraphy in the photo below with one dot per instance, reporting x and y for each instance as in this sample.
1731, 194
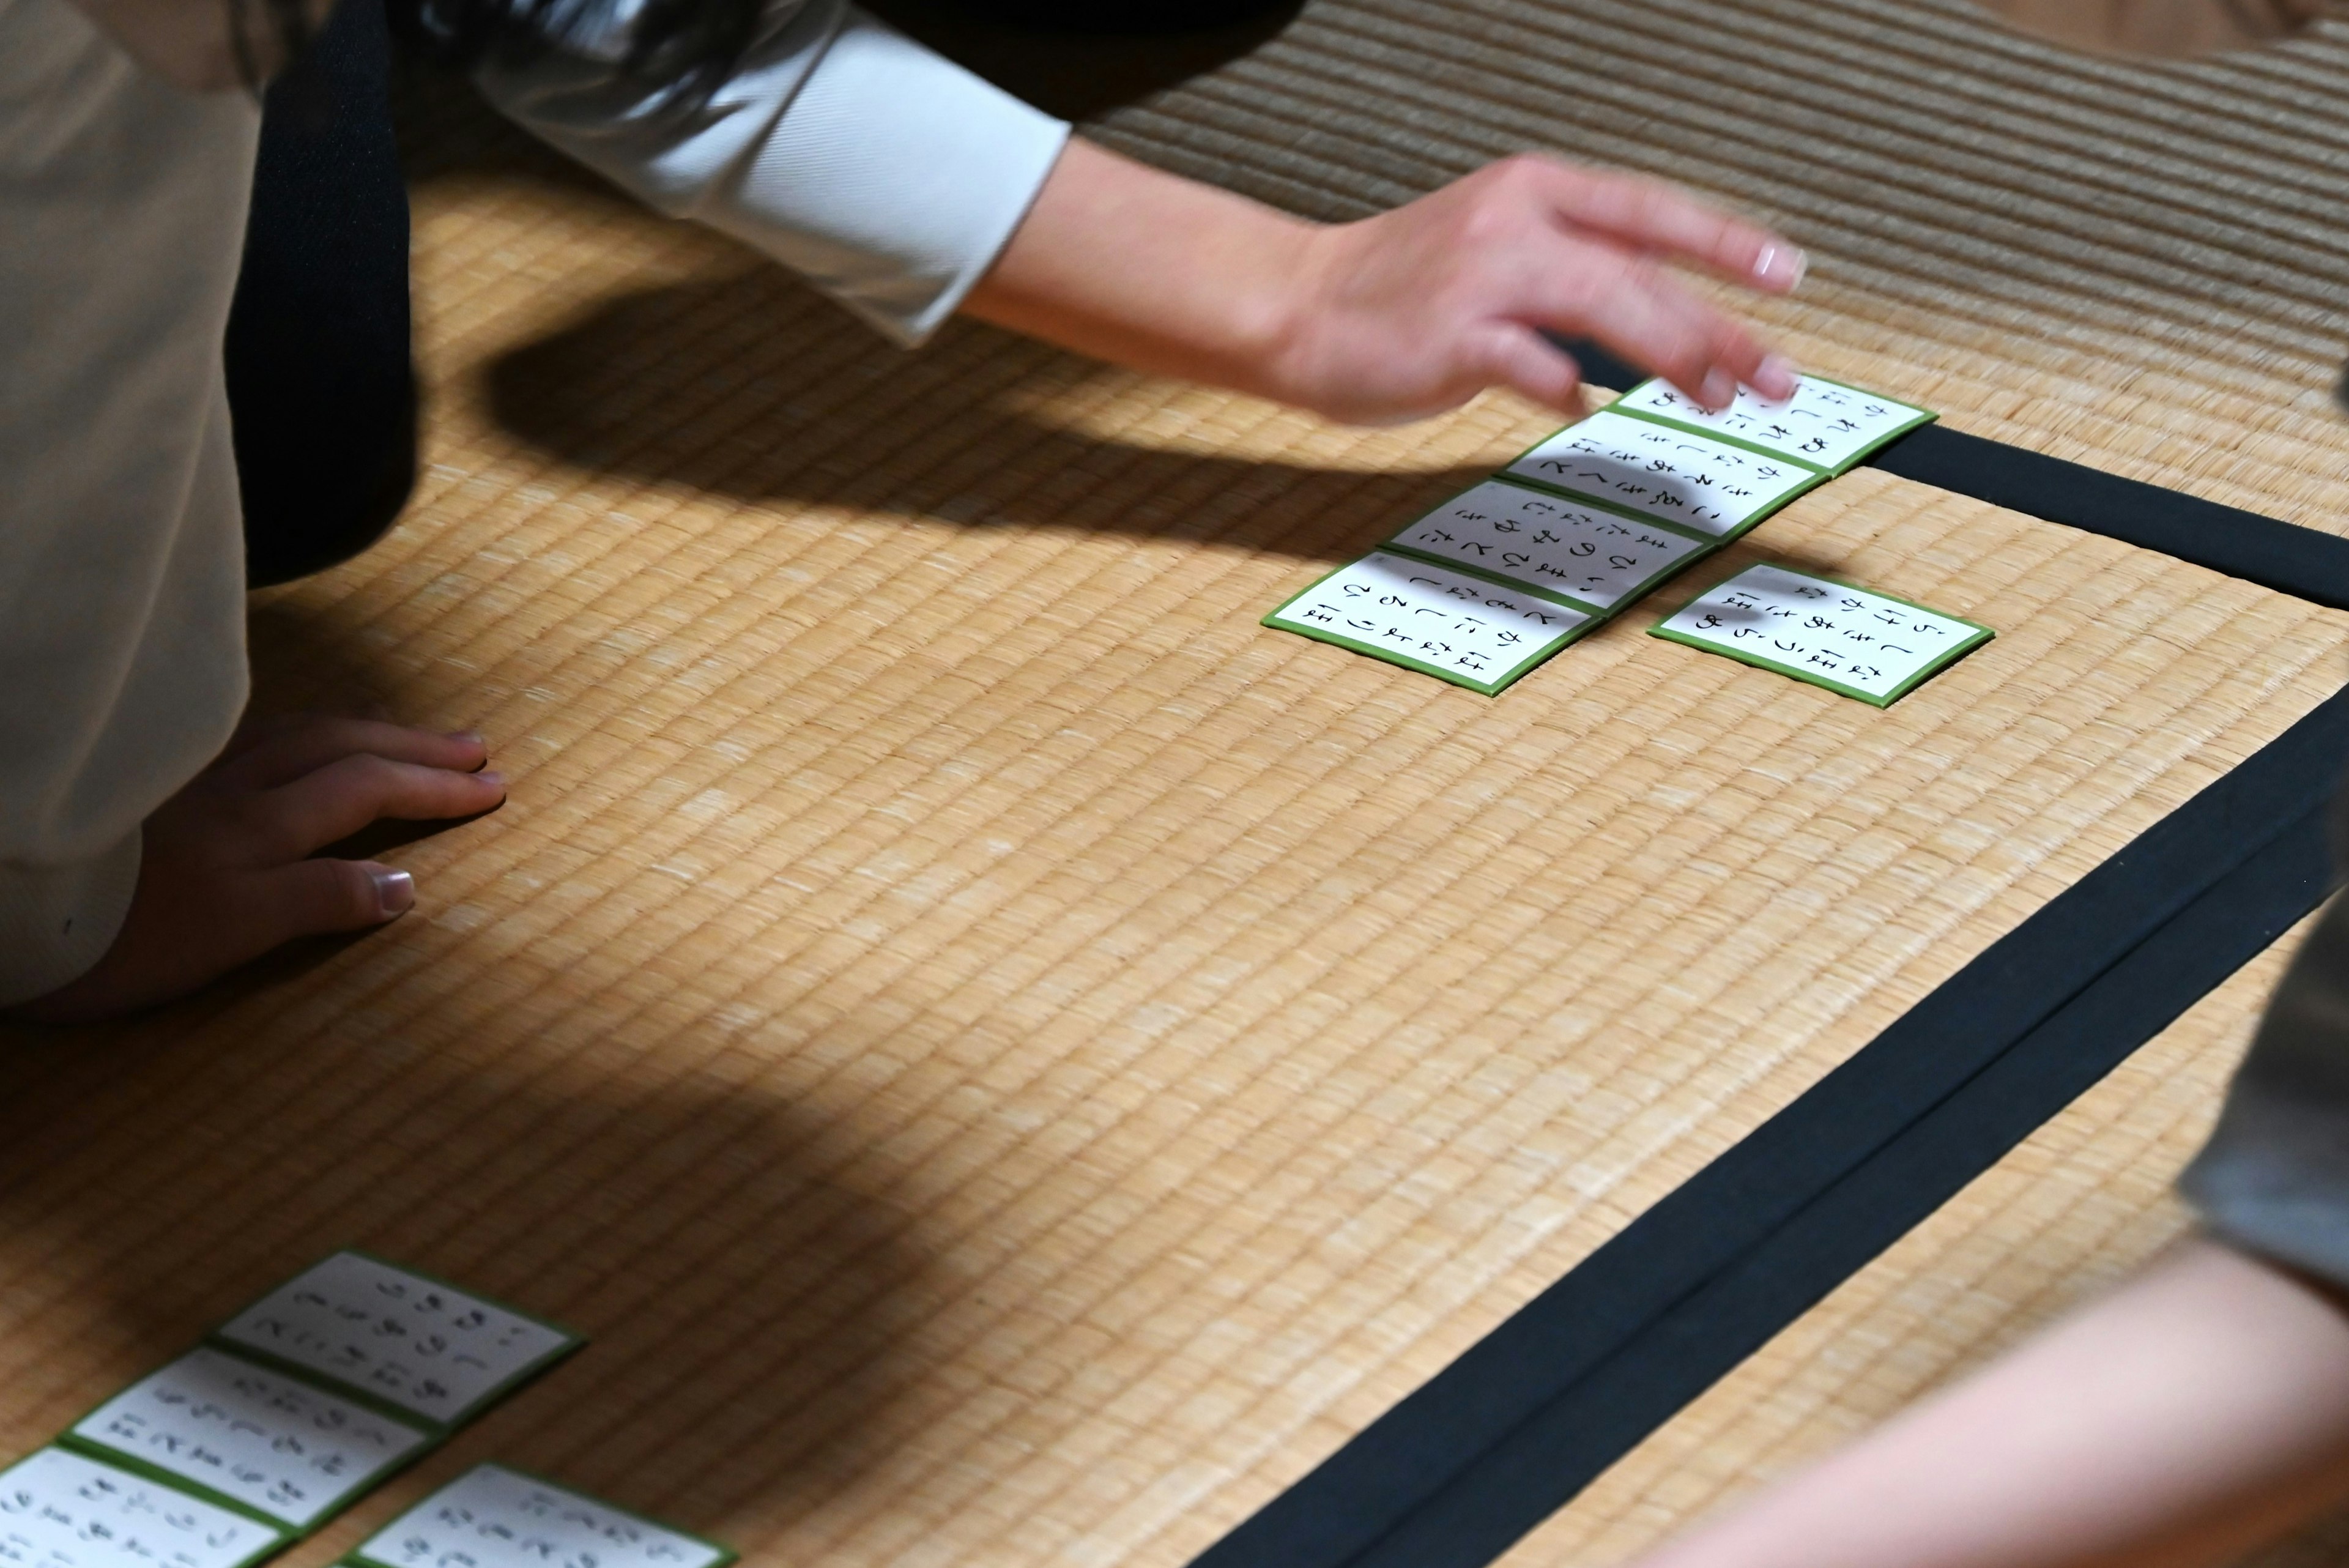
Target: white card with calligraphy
1866, 645
63, 1510
1468, 630
400, 1337
1691, 481
253, 1435
1824, 424
1553, 544
491, 1517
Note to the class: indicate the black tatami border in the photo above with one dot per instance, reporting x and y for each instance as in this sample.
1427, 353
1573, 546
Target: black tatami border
1532, 1413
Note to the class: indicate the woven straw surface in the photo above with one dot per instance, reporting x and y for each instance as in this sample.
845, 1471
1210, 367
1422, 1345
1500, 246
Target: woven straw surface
2136, 266
2071, 1212
1010, 1061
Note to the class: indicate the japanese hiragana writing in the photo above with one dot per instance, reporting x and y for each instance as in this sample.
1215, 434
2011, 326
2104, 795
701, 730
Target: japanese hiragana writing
1466, 626
1680, 477
1823, 631
264, 1440
491, 1517
1594, 556
59, 1510
1824, 424
417, 1343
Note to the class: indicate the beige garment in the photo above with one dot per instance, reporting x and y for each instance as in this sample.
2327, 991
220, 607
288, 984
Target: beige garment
123, 207
2170, 28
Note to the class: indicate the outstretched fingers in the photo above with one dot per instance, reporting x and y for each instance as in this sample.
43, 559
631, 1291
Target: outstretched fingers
337, 800
1642, 313
1655, 216
291, 750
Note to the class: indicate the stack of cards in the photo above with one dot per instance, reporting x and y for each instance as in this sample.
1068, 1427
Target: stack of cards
286, 1415
1493, 582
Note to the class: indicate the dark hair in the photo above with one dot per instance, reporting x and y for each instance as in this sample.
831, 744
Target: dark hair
689, 47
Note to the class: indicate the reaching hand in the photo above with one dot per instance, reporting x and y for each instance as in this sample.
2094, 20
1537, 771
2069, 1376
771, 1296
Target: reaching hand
1415, 310
226, 873
1395, 317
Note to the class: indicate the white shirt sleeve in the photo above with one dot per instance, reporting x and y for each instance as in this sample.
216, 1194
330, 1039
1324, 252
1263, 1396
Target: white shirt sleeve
885, 174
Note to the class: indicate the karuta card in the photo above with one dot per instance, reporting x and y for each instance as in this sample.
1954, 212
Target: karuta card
1596, 558
1862, 644
1469, 631
491, 1517
252, 1435
63, 1510
1695, 482
412, 1342
1824, 424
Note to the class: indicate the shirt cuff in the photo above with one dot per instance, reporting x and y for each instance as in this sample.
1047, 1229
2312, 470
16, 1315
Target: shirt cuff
892, 182
56, 921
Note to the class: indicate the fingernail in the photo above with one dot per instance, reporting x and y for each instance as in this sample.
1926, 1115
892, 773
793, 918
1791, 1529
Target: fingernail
469, 737
493, 779
395, 891
1781, 267
1776, 377
1720, 389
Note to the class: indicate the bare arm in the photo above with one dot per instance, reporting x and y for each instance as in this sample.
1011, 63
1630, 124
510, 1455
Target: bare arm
2200, 1410
1397, 316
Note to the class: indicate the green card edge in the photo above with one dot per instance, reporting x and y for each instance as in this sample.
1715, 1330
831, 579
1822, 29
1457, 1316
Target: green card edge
1924, 416
1404, 661
356, 1557
572, 1341
1982, 634
285, 1536
432, 1434
1819, 476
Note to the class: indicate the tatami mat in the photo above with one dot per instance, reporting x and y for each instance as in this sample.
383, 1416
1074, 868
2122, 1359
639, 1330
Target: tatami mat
2071, 1211
1010, 1061
2136, 266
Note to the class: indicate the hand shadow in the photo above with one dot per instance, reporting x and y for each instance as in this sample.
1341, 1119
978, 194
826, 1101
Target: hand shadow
750, 386
744, 1301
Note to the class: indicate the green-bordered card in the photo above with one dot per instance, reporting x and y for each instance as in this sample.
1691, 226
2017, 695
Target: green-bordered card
60, 1508
1857, 641
1469, 631
396, 1338
1824, 424
1714, 488
1591, 557
492, 1517
250, 1436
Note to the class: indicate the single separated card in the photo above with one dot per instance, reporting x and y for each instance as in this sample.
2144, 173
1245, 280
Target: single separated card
1710, 487
1470, 631
491, 1517
1824, 424
63, 1510
251, 1436
398, 1337
1594, 557
1863, 644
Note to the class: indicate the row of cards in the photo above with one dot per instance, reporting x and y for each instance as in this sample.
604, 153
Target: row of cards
295, 1408
1495, 581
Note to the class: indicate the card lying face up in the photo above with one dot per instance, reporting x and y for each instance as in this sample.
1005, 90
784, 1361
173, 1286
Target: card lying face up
491, 1517
1466, 629
1587, 556
1862, 644
1710, 487
63, 1510
398, 1337
251, 1436
1824, 424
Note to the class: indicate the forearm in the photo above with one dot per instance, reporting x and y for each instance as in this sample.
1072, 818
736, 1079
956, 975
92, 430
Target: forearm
2199, 1410
1143, 268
